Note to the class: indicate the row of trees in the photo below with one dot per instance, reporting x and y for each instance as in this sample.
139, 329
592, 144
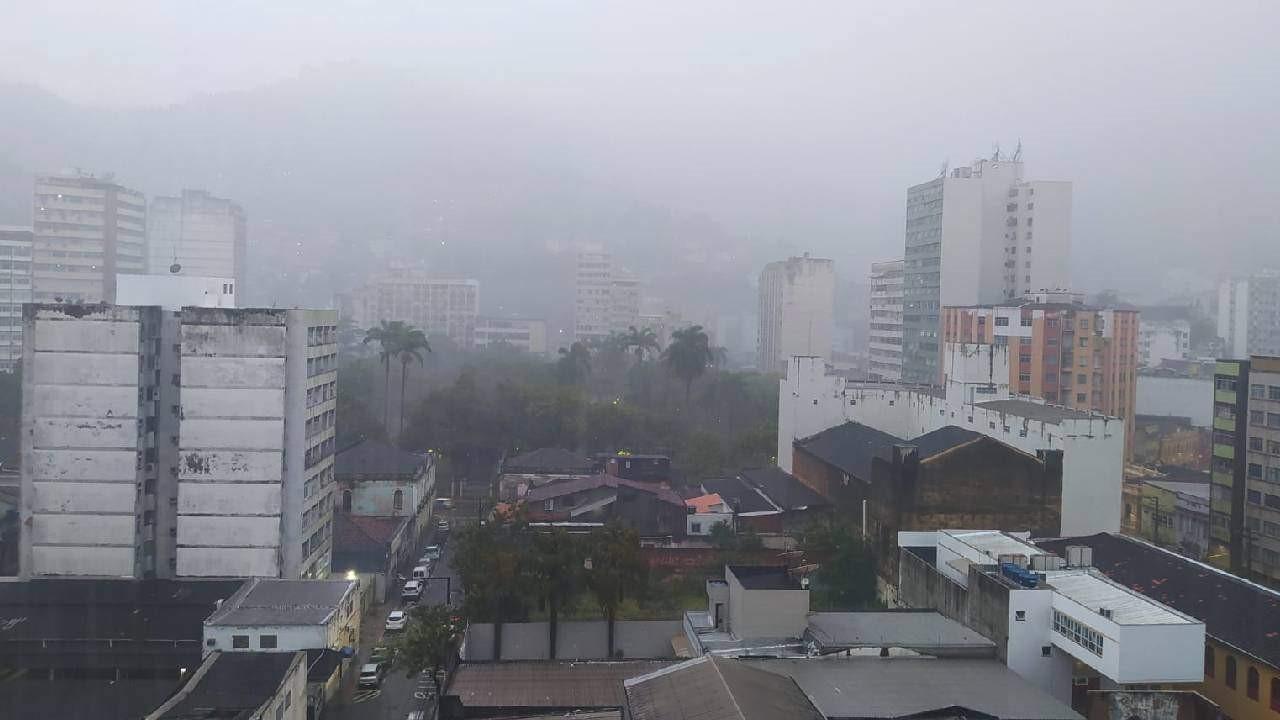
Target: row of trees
504, 568
687, 357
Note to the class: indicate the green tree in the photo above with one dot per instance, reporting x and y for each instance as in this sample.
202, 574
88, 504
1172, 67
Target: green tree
492, 561
388, 335
556, 565
429, 639
574, 365
702, 455
643, 342
614, 568
846, 577
688, 356
412, 343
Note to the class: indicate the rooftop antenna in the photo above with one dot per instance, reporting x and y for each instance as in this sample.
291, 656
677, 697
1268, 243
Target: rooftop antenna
943, 171
1017, 152
995, 155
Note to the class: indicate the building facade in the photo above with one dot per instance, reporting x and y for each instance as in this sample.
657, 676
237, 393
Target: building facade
1163, 340
435, 304
885, 332
155, 442
607, 297
526, 334
15, 290
86, 230
976, 235
1249, 315
1069, 354
205, 236
797, 302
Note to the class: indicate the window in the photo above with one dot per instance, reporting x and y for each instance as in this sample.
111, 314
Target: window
267, 642
1255, 471
1273, 420
1273, 447
695, 528
982, 321
1002, 322
1255, 443
1046, 651
1077, 632
1251, 682
1231, 672
1081, 379
1024, 377
1026, 320
1080, 397
346, 501
1209, 663
1256, 417
1257, 391
1084, 323
1273, 392
1084, 342
397, 500
1255, 497
1020, 615
240, 642
1275, 694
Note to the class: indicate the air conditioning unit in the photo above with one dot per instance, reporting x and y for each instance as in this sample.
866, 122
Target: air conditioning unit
1105, 612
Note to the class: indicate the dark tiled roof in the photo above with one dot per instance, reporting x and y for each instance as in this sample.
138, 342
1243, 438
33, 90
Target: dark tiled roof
1037, 411
762, 577
591, 482
268, 601
944, 439
371, 457
740, 495
81, 699
783, 489
548, 460
530, 685
360, 531
1236, 612
851, 447
235, 681
711, 688
321, 663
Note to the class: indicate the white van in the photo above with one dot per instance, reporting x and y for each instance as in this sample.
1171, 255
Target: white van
420, 573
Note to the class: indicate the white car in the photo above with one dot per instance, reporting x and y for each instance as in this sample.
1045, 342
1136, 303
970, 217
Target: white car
396, 621
412, 591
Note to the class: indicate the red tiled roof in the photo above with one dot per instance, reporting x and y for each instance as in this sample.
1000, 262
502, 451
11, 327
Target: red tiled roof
357, 530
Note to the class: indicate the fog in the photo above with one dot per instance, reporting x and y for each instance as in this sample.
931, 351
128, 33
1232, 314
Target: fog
697, 139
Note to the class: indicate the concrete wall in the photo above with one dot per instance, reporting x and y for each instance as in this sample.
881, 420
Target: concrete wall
288, 637
576, 640
810, 401
82, 441
766, 613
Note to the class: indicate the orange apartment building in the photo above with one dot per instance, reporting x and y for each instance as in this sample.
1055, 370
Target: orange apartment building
1068, 353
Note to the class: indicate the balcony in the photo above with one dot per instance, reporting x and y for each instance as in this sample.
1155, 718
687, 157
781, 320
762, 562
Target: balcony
1224, 396
1224, 451
1221, 423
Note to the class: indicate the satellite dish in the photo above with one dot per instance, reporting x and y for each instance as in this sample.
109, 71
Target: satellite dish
175, 268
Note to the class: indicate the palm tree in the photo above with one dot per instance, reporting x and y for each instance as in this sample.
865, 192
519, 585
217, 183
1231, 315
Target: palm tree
688, 355
388, 336
613, 568
642, 342
410, 343
556, 564
574, 365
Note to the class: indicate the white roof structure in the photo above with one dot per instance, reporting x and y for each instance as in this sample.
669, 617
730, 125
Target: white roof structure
1127, 607
994, 543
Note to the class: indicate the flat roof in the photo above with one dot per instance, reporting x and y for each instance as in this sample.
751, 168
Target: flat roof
894, 687
911, 629
1128, 607
764, 577
1038, 411
1195, 489
77, 698
536, 684
268, 601
994, 543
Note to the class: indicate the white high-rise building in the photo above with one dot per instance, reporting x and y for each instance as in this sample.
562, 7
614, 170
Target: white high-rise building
526, 334
607, 297
203, 235
978, 235
797, 301
1249, 315
15, 290
1160, 340
196, 443
86, 230
435, 304
885, 330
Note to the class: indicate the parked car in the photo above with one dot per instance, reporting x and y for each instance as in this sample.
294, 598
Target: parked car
379, 654
412, 591
442, 526
421, 572
396, 621
370, 675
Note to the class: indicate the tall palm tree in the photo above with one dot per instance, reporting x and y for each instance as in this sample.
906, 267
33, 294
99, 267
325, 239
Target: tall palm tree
643, 342
688, 355
556, 565
613, 568
388, 336
410, 343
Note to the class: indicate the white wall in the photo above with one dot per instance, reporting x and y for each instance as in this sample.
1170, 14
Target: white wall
173, 292
766, 613
706, 521
1051, 237
289, 638
1028, 636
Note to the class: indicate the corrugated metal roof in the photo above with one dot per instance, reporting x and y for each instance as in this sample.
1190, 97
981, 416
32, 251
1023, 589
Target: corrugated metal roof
529, 685
268, 601
894, 628
1094, 591
994, 543
711, 688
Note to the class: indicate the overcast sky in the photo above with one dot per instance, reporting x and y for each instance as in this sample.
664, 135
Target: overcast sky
799, 123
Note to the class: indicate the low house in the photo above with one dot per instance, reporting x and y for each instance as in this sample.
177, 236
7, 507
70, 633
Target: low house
646, 468
526, 471
770, 500
652, 510
378, 550
286, 615
243, 686
376, 479
950, 477
705, 512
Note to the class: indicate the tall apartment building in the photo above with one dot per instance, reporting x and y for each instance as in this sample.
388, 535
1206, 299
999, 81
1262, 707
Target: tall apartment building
434, 304
977, 235
527, 334
86, 230
797, 301
191, 443
1163, 340
607, 297
1249, 314
1244, 499
1068, 353
885, 330
203, 234
15, 290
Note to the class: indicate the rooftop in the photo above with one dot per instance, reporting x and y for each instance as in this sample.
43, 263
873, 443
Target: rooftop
710, 688
994, 543
592, 482
922, 630
852, 447
900, 687
1233, 610
704, 503
82, 699
370, 457
1031, 410
232, 686
268, 601
1094, 591
782, 489
549, 460
741, 495
1195, 489
759, 577
528, 685
944, 439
